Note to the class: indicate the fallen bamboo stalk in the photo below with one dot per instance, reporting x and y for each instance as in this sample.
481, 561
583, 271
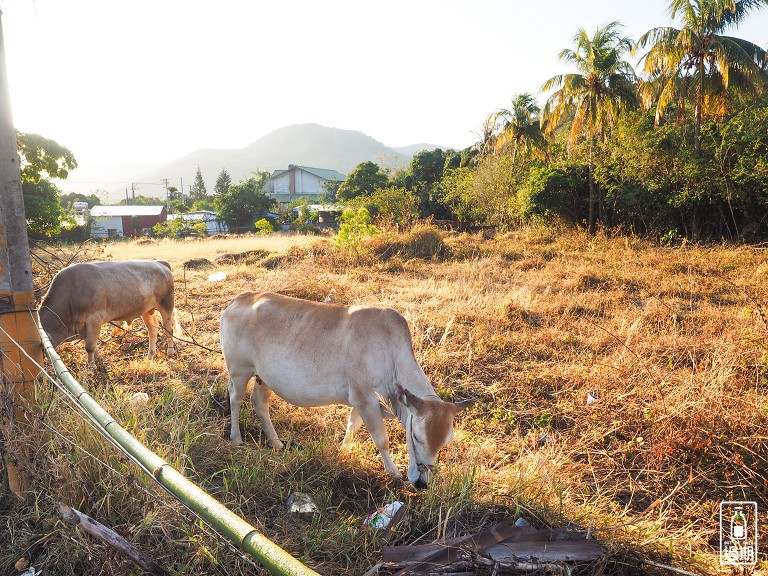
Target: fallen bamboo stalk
111, 538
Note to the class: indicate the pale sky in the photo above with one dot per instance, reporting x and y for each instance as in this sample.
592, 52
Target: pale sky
152, 80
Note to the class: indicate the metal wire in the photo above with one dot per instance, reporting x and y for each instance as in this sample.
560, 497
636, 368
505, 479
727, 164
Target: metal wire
88, 419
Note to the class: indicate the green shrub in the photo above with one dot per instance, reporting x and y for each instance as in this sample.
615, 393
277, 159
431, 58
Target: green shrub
354, 228
263, 226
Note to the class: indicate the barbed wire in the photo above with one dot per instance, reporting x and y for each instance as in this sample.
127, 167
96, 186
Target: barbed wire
94, 424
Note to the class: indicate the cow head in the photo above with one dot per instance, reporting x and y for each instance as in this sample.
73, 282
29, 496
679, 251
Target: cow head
428, 428
54, 326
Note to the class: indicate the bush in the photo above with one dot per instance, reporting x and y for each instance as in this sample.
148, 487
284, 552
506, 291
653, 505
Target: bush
354, 228
423, 241
169, 228
391, 204
200, 229
263, 226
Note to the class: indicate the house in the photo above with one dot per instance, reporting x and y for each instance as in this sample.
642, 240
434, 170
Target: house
125, 221
300, 182
212, 222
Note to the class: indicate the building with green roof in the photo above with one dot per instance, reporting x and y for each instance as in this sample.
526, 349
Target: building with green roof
300, 182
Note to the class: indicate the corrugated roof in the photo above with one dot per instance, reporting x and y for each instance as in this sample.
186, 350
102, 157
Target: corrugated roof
127, 210
324, 173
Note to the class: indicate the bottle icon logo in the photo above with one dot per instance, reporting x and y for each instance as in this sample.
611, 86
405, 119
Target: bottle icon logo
738, 533
738, 524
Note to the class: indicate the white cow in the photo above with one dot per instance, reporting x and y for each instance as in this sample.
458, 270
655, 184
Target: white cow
82, 297
315, 354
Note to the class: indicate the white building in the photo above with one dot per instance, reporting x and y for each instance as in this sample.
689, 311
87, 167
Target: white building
213, 224
120, 221
298, 182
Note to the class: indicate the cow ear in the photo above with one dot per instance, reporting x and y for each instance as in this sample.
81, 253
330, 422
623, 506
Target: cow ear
464, 404
407, 398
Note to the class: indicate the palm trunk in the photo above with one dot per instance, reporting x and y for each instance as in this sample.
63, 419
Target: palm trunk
699, 106
592, 192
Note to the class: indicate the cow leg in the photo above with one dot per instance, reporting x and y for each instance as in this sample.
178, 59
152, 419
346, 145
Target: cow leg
150, 321
354, 422
237, 386
260, 399
169, 323
91, 338
371, 415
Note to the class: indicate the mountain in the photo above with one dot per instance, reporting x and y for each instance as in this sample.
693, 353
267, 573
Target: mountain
413, 148
302, 144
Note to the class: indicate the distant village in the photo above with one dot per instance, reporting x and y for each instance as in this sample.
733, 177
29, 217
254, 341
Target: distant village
295, 185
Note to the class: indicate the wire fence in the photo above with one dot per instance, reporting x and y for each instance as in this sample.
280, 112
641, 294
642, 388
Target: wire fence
214, 519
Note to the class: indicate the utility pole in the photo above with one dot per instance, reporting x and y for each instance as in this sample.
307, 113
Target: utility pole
133, 193
167, 195
17, 295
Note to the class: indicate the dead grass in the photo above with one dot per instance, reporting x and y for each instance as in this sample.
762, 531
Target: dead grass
672, 343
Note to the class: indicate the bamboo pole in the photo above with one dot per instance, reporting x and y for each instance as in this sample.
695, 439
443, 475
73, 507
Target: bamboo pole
17, 297
225, 522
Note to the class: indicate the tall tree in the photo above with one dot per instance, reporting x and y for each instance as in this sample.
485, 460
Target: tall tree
593, 97
696, 58
41, 157
364, 179
223, 182
198, 191
519, 126
242, 204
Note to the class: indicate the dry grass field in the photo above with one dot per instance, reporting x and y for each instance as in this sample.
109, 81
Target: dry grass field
671, 342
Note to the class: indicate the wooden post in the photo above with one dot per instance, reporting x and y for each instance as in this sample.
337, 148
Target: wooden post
17, 296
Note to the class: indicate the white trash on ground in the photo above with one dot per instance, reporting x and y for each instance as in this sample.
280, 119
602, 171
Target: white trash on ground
301, 503
383, 516
217, 277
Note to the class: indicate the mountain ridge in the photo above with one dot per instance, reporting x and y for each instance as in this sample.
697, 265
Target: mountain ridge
301, 144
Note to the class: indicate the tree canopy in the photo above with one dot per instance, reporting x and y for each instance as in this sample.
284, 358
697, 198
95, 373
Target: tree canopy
243, 203
223, 181
697, 61
198, 190
364, 179
40, 159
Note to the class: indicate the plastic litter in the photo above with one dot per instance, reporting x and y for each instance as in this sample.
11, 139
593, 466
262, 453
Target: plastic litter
217, 277
139, 401
522, 523
591, 398
383, 516
301, 503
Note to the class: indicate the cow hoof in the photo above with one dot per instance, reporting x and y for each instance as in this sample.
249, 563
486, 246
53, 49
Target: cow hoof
237, 441
275, 444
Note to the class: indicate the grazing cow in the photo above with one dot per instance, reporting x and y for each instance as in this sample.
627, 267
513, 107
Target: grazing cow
315, 354
84, 296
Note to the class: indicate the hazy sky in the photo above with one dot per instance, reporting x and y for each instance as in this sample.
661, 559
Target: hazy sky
149, 81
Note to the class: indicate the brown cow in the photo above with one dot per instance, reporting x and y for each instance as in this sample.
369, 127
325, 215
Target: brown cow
84, 296
315, 354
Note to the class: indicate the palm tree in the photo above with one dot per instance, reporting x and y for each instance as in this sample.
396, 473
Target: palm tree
697, 61
519, 126
487, 138
593, 97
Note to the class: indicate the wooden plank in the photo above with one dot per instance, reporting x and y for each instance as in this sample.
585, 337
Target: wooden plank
449, 554
503, 542
553, 551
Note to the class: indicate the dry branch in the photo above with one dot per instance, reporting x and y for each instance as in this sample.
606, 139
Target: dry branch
110, 537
